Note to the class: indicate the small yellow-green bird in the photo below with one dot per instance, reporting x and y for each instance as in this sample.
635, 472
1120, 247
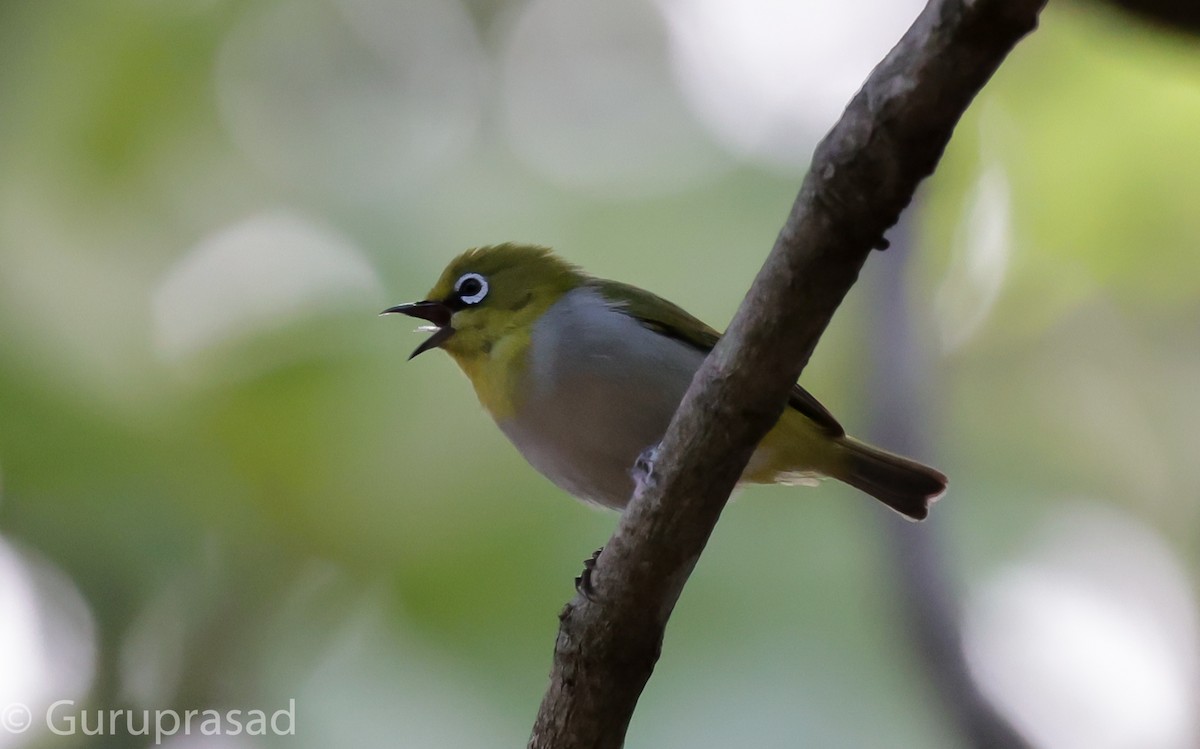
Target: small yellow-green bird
584, 374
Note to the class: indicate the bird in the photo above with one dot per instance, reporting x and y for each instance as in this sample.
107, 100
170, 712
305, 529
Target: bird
583, 375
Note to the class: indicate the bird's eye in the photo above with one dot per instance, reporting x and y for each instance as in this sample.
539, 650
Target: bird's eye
471, 288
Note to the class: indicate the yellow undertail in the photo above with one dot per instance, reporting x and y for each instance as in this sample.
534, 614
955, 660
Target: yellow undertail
796, 451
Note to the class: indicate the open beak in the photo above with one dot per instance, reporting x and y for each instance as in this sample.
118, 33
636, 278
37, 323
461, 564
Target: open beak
436, 313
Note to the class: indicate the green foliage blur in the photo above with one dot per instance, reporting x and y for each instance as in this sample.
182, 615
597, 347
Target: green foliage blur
222, 485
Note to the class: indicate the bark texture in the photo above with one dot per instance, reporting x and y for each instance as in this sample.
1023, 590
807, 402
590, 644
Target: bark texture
862, 176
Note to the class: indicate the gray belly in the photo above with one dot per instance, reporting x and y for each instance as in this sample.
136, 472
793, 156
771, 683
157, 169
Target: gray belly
599, 389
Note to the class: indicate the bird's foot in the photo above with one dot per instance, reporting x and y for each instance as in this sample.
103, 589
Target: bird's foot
643, 469
583, 583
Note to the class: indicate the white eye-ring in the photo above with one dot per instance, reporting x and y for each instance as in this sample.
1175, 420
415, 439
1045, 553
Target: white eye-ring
471, 288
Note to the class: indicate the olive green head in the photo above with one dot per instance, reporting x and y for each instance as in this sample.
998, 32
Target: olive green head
488, 293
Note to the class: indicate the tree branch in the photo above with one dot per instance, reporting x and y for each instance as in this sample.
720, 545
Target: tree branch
863, 174
896, 395
1177, 15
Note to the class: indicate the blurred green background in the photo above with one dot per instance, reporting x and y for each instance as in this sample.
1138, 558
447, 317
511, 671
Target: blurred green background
222, 486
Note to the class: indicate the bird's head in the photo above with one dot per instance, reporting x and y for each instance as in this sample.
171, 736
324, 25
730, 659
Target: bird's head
488, 293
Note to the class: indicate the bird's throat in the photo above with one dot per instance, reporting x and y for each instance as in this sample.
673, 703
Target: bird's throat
497, 373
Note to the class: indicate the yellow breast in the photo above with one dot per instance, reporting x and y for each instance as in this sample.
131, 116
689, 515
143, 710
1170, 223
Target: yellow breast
497, 372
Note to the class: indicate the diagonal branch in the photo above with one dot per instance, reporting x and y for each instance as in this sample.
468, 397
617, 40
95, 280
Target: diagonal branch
863, 174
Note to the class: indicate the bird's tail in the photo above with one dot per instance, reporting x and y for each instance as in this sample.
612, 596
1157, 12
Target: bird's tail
904, 485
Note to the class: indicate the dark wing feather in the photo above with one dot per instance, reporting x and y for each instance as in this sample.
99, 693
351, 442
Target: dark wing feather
673, 321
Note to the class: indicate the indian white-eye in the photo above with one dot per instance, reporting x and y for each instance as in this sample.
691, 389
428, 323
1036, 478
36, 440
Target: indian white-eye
584, 374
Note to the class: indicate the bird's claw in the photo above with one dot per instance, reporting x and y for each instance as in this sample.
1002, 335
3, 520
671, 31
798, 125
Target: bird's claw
643, 469
583, 583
